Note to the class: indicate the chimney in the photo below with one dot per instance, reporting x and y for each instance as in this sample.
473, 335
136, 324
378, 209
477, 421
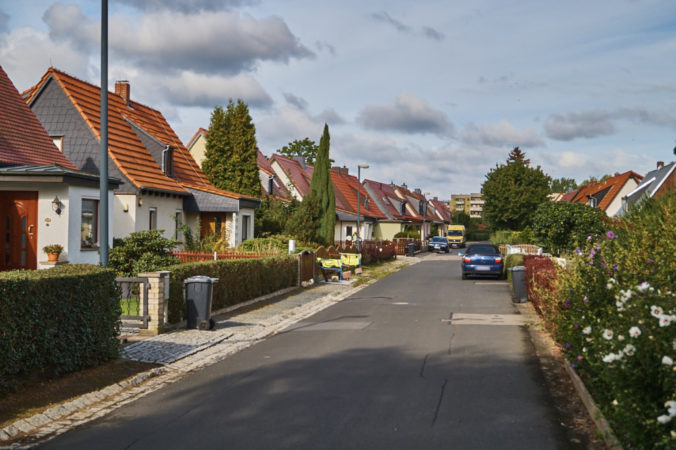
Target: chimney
404, 186
301, 160
436, 199
346, 171
417, 191
660, 164
123, 89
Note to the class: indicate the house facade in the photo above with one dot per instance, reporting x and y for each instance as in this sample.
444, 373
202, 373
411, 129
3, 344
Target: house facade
656, 183
161, 186
44, 198
608, 194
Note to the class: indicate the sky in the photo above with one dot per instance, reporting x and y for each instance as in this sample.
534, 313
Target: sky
430, 93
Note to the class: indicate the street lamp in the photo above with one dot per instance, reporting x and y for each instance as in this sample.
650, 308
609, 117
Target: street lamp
359, 167
424, 213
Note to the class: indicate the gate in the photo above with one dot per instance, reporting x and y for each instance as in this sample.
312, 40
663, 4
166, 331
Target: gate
307, 261
134, 302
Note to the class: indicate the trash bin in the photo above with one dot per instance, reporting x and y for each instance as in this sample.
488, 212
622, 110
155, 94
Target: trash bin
198, 292
410, 249
519, 294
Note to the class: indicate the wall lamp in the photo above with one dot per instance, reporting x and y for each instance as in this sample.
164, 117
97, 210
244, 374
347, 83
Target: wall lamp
57, 205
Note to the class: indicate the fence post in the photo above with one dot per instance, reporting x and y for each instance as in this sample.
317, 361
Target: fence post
158, 301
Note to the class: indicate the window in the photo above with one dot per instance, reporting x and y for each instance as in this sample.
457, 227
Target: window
271, 184
178, 219
245, 227
168, 161
403, 208
58, 141
89, 225
218, 225
152, 219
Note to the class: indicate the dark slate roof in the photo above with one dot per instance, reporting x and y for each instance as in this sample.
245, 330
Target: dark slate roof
208, 202
53, 170
653, 181
23, 139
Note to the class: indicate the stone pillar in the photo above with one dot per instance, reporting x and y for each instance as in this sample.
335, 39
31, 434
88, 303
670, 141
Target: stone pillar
158, 301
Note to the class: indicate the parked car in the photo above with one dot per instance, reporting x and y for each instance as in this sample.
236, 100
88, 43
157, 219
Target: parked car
438, 244
482, 260
456, 235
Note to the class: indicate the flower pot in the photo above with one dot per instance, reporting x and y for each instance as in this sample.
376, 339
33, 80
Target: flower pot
52, 257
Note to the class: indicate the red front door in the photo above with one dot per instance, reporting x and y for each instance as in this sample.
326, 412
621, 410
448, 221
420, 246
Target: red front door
18, 230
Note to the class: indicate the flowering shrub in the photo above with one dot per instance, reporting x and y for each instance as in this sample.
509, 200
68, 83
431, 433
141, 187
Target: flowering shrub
616, 319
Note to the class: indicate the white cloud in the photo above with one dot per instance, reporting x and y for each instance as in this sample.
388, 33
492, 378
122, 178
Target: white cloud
580, 166
409, 114
186, 6
503, 134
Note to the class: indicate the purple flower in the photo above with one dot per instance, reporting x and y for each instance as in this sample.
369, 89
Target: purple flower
586, 300
574, 366
579, 357
603, 266
568, 346
576, 325
591, 254
610, 235
589, 238
650, 261
567, 303
578, 251
597, 247
616, 266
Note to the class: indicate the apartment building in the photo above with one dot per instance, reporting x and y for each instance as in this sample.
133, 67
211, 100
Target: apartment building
471, 204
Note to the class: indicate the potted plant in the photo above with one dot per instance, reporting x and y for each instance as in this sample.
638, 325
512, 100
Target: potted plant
53, 251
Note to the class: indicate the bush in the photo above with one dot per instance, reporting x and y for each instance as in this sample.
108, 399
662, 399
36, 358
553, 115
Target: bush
407, 235
615, 317
512, 261
56, 321
478, 235
142, 251
561, 226
239, 280
541, 279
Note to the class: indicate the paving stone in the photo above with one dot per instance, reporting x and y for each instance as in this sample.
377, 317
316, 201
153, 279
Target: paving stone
38, 420
4, 436
23, 426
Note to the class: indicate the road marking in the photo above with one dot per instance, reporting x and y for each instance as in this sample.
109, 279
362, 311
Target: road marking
487, 319
500, 283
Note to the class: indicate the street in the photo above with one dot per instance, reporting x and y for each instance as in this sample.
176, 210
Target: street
391, 367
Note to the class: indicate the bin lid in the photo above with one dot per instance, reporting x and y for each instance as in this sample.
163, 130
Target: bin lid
517, 269
200, 279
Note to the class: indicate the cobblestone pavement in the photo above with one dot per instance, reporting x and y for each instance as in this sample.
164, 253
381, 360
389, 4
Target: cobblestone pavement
181, 352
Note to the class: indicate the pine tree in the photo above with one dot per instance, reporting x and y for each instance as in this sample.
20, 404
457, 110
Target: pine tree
231, 152
322, 187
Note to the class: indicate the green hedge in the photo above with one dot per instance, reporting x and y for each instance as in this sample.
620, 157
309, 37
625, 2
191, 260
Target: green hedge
56, 321
512, 261
239, 280
478, 235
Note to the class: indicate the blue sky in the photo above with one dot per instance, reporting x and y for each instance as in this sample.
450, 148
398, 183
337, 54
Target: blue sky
429, 93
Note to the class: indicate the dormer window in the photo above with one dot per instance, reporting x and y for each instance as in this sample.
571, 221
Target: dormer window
168, 161
58, 141
271, 180
366, 203
403, 208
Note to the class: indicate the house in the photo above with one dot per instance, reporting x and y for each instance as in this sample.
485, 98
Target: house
399, 216
418, 206
44, 198
656, 183
607, 195
296, 175
162, 187
270, 184
443, 213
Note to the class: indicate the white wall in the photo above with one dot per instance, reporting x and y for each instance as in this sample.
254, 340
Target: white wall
124, 222
616, 205
166, 210
74, 253
285, 180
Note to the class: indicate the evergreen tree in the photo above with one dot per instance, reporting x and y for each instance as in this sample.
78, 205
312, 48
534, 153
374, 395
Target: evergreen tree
303, 224
231, 160
322, 188
513, 191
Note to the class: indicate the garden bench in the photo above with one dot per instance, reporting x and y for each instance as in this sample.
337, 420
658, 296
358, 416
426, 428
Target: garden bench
344, 260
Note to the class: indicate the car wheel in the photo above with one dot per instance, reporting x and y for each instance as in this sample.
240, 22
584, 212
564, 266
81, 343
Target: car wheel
446, 250
464, 276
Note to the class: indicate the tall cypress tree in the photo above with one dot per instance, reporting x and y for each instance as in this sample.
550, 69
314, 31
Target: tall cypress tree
322, 188
231, 152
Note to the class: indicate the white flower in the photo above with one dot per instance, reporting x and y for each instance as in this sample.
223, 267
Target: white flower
615, 402
629, 350
610, 357
612, 281
656, 311
664, 419
634, 332
671, 405
607, 334
643, 287
665, 320
625, 295
586, 330
584, 349
667, 361
620, 306
620, 337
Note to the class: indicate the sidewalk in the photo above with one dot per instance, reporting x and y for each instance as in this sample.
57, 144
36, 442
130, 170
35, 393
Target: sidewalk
183, 351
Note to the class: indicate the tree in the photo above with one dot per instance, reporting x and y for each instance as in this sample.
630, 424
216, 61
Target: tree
272, 216
461, 218
594, 180
322, 188
513, 191
563, 184
231, 160
305, 148
304, 221
561, 226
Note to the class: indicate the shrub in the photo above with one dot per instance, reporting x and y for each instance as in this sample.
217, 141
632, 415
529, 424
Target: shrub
478, 235
142, 251
239, 280
56, 321
561, 226
616, 319
541, 282
407, 235
512, 261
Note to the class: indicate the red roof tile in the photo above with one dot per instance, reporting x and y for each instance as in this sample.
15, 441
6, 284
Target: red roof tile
345, 190
390, 200
23, 139
609, 188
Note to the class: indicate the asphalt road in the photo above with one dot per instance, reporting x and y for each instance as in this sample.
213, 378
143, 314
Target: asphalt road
385, 368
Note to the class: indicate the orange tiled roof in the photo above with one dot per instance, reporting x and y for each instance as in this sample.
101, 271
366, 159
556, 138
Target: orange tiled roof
429, 215
299, 176
608, 189
442, 209
125, 148
345, 190
390, 200
198, 133
23, 139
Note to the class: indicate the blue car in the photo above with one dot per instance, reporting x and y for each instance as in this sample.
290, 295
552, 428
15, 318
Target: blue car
482, 260
438, 244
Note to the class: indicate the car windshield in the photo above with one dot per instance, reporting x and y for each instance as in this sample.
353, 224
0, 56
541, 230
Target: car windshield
455, 233
483, 250
438, 239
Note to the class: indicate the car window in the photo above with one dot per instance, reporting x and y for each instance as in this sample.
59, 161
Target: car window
487, 250
454, 233
438, 239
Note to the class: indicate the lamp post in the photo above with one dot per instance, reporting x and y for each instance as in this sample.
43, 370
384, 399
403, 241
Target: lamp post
359, 167
424, 213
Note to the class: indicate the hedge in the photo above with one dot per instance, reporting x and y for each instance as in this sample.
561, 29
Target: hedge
56, 321
478, 235
239, 280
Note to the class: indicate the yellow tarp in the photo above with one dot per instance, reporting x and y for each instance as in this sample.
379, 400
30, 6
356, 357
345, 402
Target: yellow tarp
350, 259
329, 262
